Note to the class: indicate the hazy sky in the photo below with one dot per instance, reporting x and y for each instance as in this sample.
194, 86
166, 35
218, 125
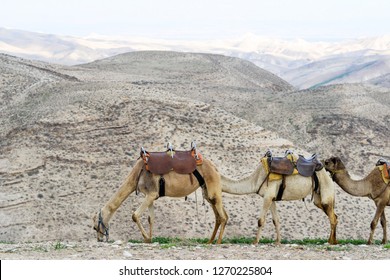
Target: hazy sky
201, 19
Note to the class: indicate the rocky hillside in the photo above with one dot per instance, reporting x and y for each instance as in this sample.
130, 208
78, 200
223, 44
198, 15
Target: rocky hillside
70, 135
349, 120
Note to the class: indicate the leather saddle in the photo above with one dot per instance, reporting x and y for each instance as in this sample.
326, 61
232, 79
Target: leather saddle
285, 165
280, 165
182, 162
307, 166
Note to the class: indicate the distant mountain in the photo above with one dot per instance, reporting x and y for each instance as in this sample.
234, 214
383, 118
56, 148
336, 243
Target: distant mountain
339, 69
52, 48
301, 63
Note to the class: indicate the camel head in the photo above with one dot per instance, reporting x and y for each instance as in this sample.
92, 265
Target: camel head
334, 164
101, 229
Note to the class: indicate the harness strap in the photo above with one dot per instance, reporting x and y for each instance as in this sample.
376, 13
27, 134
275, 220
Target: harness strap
161, 190
139, 176
265, 179
199, 177
316, 183
281, 189
105, 228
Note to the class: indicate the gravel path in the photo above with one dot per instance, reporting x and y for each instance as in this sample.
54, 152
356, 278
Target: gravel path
91, 250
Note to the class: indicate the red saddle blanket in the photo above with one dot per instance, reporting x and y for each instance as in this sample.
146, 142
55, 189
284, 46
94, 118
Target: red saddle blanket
384, 167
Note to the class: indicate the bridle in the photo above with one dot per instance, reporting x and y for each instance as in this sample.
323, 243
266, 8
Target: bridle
103, 226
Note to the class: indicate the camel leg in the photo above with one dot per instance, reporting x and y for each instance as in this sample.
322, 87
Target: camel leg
379, 210
328, 208
137, 214
221, 218
384, 227
276, 221
261, 222
151, 220
216, 226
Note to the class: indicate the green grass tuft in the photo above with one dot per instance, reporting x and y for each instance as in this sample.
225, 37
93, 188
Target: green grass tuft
59, 246
174, 241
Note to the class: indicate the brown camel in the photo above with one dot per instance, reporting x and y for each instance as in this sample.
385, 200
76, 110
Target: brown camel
176, 185
371, 186
297, 187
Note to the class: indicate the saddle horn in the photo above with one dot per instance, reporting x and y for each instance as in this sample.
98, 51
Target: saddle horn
193, 148
170, 148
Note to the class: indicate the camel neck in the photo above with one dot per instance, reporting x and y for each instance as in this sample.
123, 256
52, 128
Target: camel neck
128, 186
351, 186
247, 185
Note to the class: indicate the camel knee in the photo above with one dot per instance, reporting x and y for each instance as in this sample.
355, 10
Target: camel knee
325, 208
212, 200
260, 223
223, 220
226, 218
373, 225
135, 218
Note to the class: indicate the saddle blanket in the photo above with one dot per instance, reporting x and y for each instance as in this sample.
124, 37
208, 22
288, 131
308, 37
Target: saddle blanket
275, 176
385, 173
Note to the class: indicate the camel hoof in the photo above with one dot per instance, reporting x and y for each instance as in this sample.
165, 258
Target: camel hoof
148, 240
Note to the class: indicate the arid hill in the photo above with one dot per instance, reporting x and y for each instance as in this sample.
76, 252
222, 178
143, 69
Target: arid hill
70, 135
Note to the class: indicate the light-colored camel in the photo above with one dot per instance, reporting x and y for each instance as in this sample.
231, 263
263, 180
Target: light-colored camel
296, 187
371, 186
176, 185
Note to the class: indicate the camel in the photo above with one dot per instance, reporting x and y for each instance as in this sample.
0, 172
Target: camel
296, 187
176, 185
371, 186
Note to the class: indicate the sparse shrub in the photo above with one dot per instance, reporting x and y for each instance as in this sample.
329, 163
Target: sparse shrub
59, 246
